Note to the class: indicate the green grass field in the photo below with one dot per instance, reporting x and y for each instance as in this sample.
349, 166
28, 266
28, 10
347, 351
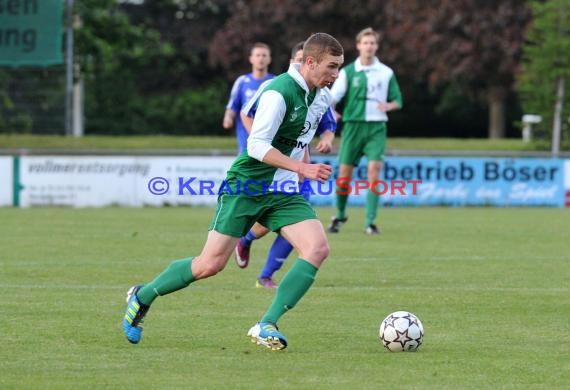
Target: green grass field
490, 285
177, 143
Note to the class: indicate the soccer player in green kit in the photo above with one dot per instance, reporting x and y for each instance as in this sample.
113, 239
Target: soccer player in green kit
370, 90
255, 189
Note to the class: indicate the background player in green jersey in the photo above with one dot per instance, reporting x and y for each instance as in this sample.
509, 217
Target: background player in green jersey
370, 90
286, 120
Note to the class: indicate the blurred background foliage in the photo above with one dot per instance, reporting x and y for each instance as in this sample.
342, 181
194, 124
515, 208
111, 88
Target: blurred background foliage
467, 68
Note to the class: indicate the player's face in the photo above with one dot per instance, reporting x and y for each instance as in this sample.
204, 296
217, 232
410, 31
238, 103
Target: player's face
298, 57
367, 46
326, 71
260, 58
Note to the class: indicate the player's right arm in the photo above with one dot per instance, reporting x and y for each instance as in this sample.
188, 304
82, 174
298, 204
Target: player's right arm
229, 117
338, 90
269, 116
233, 106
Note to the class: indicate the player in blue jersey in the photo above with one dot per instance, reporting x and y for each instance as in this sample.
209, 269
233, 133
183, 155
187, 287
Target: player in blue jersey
281, 248
244, 88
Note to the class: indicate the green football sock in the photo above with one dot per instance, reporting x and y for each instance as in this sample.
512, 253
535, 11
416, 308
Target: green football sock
175, 277
341, 201
371, 206
291, 289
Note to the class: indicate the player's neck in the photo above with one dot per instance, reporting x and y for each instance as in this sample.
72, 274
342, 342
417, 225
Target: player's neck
258, 73
305, 73
366, 60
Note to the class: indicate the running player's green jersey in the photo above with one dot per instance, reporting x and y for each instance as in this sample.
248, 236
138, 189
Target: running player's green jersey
287, 118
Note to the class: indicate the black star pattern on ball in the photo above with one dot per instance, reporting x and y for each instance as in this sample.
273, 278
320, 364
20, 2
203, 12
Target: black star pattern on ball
411, 319
403, 337
419, 340
389, 321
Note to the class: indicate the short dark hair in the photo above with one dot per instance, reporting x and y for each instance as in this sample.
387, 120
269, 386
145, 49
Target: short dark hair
261, 45
320, 44
298, 46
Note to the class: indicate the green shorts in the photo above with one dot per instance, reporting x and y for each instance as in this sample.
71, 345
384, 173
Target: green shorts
362, 139
236, 214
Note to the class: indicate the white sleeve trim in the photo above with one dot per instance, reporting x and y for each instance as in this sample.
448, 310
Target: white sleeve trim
234, 92
269, 116
247, 108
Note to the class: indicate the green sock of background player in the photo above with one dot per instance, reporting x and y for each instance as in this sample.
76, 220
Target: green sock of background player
371, 206
341, 205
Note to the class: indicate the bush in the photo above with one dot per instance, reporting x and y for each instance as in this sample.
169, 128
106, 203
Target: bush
196, 111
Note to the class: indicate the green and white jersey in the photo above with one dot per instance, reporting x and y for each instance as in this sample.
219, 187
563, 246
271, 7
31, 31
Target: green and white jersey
365, 86
287, 118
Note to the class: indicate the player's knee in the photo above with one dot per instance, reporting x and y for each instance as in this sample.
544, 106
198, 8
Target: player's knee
207, 267
318, 252
207, 271
324, 250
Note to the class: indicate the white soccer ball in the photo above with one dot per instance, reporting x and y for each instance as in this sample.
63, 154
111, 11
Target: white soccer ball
401, 331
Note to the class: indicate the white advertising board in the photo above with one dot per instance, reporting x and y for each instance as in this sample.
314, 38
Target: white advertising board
136, 181
567, 175
93, 181
6, 180
567, 182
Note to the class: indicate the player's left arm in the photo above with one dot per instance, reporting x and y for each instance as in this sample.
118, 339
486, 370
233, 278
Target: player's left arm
394, 101
325, 144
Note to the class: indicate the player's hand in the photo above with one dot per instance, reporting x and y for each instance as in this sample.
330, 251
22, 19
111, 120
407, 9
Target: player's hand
319, 172
385, 106
228, 123
324, 146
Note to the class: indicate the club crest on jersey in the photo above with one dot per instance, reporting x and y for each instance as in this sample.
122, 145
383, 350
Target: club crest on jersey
305, 129
294, 114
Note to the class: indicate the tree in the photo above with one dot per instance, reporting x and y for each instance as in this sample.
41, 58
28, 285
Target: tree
117, 58
284, 23
474, 45
469, 46
189, 27
543, 81
145, 66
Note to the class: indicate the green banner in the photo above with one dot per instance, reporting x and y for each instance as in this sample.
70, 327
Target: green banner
31, 32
